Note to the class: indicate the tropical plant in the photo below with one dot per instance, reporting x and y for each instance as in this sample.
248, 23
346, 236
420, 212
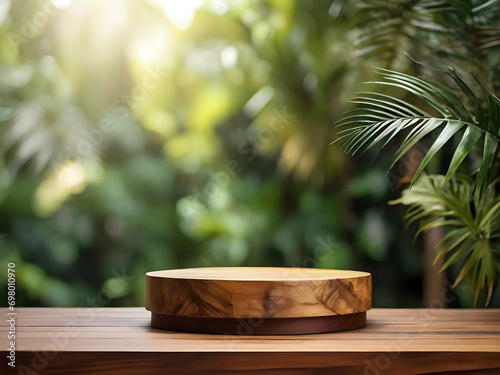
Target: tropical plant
462, 33
459, 107
470, 206
474, 222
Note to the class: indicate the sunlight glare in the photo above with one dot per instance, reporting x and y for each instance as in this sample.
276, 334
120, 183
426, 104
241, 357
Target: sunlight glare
229, 57
62, 4
4, 10
149, 47
68, 179
180, 12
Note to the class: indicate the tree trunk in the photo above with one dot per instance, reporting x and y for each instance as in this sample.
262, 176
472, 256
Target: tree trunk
433, 280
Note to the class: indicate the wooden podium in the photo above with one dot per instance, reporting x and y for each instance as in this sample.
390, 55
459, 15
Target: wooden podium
258, 300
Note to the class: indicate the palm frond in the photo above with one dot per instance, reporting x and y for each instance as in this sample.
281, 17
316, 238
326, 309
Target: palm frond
387, 27
474, 225
474, 37
379, 117
461, 33
45, 130
482, 18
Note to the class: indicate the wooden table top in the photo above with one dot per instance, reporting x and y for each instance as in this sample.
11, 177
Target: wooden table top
102, 340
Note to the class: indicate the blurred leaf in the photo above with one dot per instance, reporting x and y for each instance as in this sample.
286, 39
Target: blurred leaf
475, 224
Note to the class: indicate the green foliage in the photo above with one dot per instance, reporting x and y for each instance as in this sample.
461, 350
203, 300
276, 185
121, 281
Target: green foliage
387, 29
105, 175
381, 118
223, 163
473, 222
455, 108
458, 32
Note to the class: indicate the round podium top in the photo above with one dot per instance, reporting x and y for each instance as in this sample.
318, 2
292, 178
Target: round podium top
257, 292
256, 274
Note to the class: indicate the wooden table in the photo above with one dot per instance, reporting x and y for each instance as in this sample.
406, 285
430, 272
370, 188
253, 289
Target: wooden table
121, 341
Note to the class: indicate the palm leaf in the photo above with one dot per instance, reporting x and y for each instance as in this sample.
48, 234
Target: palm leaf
474, 225
380, 118
482, 18
395, 24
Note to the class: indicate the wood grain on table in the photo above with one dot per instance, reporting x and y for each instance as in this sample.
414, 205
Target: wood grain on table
121, 341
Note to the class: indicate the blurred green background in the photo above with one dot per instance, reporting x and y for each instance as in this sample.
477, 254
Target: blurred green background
142, 135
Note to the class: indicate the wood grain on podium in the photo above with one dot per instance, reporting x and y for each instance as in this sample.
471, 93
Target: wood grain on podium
248, 292
121, 341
